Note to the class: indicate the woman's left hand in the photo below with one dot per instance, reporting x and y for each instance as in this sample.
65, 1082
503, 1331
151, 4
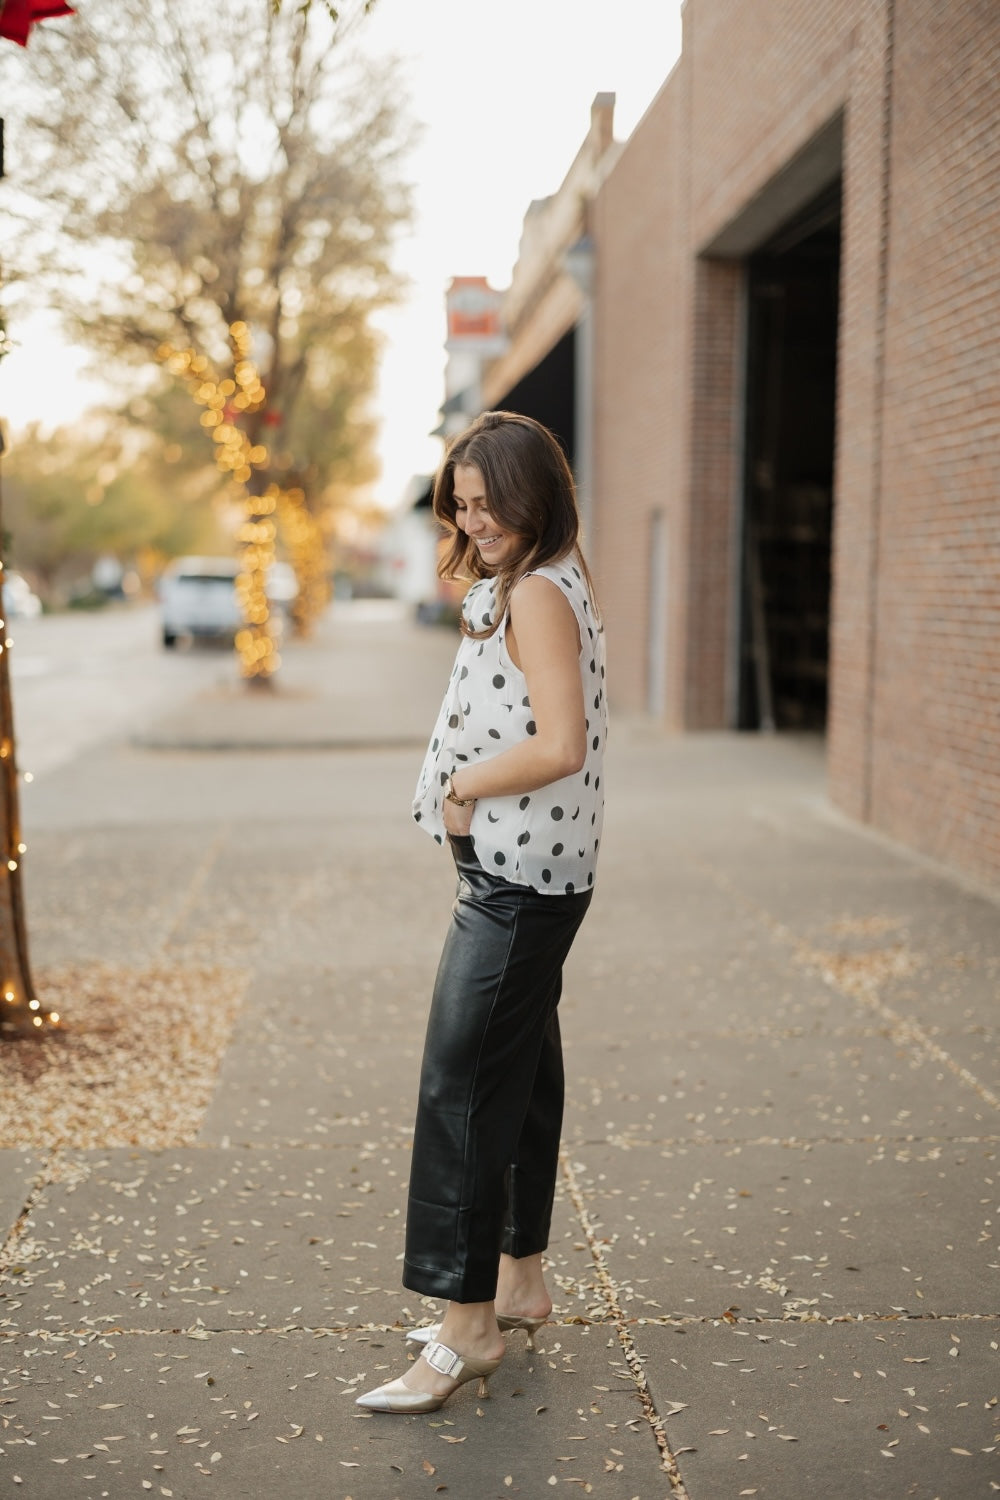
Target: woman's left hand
458, 820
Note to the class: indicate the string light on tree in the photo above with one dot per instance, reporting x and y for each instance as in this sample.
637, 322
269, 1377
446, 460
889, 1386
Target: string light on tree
21, 1012
306, 541
226, 402
257, 535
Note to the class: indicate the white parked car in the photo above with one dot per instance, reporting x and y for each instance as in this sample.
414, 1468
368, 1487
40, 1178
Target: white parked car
198, 597
20, 602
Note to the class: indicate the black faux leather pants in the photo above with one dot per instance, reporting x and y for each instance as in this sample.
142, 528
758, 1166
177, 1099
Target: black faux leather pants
486, 1143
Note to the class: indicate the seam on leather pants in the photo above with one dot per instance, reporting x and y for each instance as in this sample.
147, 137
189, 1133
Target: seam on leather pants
464, 1213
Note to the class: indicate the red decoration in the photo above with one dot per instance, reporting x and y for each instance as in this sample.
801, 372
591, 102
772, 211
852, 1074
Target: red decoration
18, 16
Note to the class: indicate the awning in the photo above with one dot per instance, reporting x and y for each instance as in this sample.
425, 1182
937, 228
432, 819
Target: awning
548, 393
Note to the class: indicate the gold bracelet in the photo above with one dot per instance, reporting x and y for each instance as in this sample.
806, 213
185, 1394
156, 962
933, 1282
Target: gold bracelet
451, 795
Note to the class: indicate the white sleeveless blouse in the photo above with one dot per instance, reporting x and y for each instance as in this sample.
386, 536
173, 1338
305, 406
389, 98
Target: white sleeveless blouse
549, 838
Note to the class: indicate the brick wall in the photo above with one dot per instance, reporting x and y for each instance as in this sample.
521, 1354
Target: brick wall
859, 415
753, 84
935, 760
914, 712
639, 387
716, 384
765, 77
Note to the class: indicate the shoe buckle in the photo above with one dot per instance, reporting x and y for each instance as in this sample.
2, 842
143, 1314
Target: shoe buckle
443, 1359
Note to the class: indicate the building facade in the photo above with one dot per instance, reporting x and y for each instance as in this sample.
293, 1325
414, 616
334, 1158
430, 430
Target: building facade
786, 361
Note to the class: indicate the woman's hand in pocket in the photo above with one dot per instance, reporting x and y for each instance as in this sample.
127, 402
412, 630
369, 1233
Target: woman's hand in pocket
458, 820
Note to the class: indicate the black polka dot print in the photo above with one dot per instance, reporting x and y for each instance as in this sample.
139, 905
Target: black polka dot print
486, 710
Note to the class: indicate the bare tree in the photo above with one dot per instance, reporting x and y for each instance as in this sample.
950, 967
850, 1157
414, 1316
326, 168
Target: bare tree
176, 169
183, 167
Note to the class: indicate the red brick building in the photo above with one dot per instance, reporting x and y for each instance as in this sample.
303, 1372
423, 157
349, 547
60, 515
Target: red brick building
786, 368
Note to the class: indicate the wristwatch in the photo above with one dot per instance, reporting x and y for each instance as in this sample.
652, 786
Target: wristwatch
451, 796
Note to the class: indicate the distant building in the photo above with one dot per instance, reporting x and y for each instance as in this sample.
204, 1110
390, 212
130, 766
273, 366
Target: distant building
407, 547
475, 337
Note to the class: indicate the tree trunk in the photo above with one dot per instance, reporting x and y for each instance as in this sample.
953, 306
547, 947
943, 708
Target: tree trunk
20, 1011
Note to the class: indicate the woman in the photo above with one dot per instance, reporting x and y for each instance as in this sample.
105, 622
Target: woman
513, 781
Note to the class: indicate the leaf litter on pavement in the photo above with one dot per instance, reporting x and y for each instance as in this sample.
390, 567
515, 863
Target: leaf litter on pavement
133, 1063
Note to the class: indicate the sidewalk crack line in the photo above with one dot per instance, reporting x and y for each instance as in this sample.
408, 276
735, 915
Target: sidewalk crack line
609, 1295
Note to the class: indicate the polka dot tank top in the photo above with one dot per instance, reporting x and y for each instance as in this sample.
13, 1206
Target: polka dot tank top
548, 838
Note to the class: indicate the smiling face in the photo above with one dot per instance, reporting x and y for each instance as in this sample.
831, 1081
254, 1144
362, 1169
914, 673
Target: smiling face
497, 547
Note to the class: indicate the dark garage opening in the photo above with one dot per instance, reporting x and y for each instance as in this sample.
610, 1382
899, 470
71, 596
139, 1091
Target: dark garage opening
788, 505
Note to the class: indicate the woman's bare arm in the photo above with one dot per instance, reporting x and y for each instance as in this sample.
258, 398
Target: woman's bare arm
543, 640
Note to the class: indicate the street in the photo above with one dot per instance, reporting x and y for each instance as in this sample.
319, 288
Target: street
81, 677
774, 1258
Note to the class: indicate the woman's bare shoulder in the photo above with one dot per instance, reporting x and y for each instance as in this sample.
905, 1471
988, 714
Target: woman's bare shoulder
541, 611
539, 591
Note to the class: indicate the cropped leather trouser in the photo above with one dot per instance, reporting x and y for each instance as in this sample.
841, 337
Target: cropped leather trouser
489, 1114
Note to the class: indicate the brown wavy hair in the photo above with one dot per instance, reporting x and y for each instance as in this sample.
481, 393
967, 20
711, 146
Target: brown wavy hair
529, 491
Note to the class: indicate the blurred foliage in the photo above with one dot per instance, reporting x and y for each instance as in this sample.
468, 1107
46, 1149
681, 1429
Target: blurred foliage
109, 487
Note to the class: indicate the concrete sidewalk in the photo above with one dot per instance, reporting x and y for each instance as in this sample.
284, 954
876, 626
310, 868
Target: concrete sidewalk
774, 1257
346, 686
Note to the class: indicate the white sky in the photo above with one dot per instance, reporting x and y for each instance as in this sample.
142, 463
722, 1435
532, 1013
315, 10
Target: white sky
503, 94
